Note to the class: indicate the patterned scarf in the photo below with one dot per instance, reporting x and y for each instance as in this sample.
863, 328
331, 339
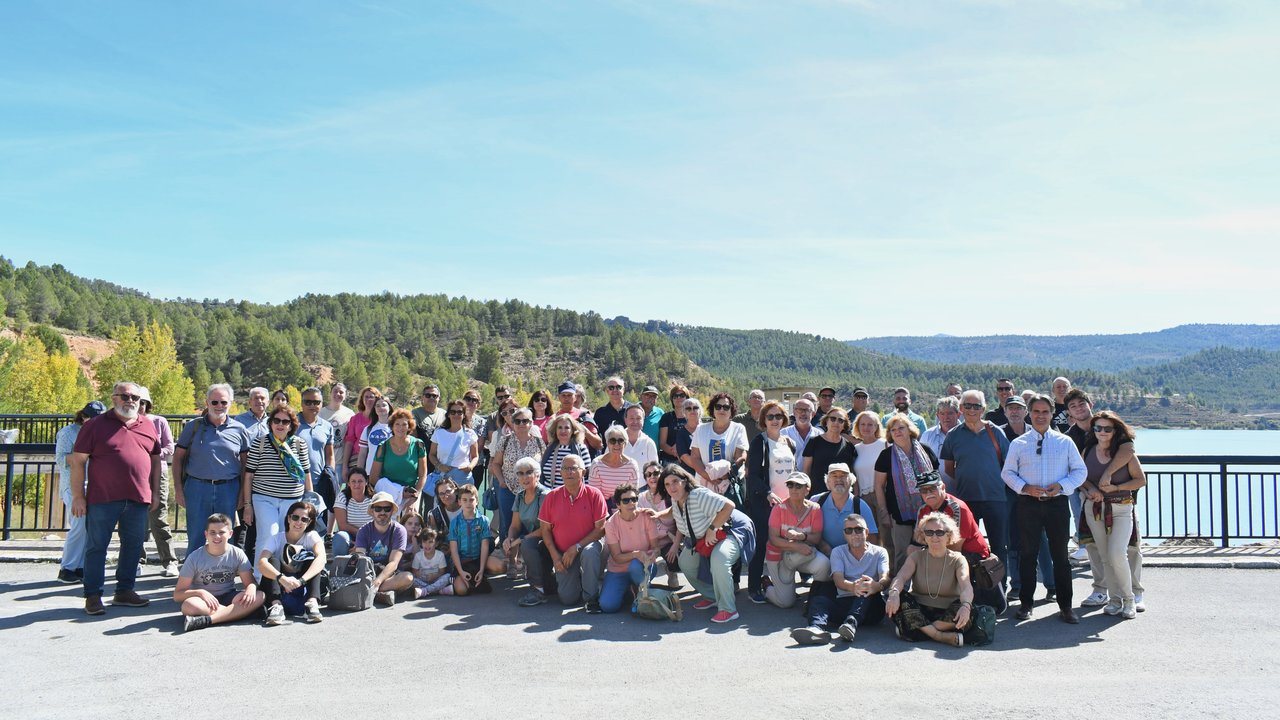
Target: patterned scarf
905, 469
292, 464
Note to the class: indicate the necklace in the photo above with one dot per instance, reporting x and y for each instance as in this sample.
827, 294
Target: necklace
937, 589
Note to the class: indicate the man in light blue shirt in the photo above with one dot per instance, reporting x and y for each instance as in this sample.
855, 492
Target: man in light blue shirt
254, 419
1043, 468
902, 404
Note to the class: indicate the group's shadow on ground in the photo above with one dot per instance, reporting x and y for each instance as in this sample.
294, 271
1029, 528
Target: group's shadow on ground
159, 615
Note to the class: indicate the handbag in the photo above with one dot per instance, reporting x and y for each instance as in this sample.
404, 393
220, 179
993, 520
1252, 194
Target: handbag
701, 547
491, 495
656, 604
982, 627
985, 573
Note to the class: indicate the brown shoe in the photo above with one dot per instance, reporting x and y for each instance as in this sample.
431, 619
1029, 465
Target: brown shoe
129, 598
93, 605
1069, 617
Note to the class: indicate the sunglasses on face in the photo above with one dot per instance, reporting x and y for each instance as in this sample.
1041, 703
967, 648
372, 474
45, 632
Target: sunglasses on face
854, 530
1008, 388
653, 474
311, 403
381, 509
796, 485
128, 397
971, 406
456, 412
526, 473
775, 416
1103, 429
500, 398
220, 403
628, 500
613, 387
836, 420
280, 421
521, 421
471, 400
617, 441
299, 518
934, 533
722, 406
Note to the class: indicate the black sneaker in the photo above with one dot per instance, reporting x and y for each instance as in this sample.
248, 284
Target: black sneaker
68, 576
593, 607
93, 605
195, 622
811, 636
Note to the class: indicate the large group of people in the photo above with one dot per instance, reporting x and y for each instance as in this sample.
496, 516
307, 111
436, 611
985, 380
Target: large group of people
934, 526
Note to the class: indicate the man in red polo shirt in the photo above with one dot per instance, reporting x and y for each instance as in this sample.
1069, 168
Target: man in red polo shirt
933, 491
573, 516
123, 485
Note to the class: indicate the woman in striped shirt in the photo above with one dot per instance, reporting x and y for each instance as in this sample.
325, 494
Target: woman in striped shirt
613, 468
277, 473
700, 514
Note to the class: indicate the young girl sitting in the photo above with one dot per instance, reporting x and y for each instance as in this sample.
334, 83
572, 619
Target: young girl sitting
429, 565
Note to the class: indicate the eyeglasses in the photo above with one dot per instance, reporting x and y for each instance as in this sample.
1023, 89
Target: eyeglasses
541, 400
613, 387
526, 473
381, 509
794, 485
431, 395
628, 500
456, 412
653, 473
836, 420
854, 530
500, 398
128, 397
721, 406
280, 421
1004, 388
311, 403
1103, 429
679, 395
972, 406
934, 533
617, 441
521, 421
471, 400
299, 518
691, 408
220, 403
775, 416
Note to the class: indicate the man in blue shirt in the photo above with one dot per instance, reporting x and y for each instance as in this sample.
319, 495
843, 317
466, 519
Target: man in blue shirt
973, 454
319, 436
254, 419
902, 404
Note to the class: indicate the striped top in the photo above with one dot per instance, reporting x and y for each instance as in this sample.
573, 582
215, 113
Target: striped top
269, 476
606, 479
553, 457
357, 510
700, 509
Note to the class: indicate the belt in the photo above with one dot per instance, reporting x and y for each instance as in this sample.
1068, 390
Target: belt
210, 482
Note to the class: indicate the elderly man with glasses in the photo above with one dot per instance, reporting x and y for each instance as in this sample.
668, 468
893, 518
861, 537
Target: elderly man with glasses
210, 452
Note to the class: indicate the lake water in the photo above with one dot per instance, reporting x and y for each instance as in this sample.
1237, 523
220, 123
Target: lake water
1179, 499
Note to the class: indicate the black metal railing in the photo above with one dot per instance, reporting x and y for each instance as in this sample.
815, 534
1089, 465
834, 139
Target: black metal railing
32, 500
36, 429
1221, 498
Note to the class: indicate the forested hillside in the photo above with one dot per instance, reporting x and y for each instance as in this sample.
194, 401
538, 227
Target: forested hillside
1107, 353
391, 341
1234, 380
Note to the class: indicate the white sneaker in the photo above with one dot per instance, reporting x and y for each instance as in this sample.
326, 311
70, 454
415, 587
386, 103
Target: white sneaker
1080, 555
1097, 599
1128, 611
170, 570
1113, 607
1138, 604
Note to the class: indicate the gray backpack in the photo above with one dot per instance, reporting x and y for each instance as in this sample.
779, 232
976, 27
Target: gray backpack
351, 582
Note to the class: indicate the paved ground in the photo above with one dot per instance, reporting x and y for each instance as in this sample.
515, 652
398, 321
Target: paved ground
1206, 648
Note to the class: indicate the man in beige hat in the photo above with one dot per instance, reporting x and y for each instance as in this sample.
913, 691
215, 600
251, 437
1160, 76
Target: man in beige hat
385, 541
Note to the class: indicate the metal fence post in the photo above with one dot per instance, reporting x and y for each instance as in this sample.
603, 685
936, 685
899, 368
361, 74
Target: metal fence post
1225, 532
8, 492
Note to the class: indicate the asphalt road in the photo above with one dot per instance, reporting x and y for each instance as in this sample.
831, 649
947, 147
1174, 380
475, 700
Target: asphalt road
1205, 648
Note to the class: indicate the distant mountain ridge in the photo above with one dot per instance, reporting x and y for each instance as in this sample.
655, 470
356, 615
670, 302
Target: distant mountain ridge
1105, 353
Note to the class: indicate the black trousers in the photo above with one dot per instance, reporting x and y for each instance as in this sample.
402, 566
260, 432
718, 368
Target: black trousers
271, 586
1053, 517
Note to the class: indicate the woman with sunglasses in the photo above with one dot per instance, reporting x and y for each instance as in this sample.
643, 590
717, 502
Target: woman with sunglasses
612, 469
290, 564
900, 464
671, 420
455, 446
352, 438
633, 540
940, 603
829, 448
795, 530
651, 499
525, 537
770, 461
692, 413
277, 473
540, 410
524, 441
566, 437
1111, 522
719, 445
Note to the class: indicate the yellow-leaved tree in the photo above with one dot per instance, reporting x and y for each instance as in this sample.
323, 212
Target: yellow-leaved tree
148, 356
32, 380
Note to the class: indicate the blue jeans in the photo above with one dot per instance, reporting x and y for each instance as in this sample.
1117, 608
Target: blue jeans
506, 499
613, 593
828, 611
1076, 500
73, 548
204, 499
100, 521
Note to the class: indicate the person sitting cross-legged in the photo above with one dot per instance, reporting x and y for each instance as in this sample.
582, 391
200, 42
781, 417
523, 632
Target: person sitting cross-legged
207, 581
860, 573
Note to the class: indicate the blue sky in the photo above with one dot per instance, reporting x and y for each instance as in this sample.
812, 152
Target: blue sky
968, 167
